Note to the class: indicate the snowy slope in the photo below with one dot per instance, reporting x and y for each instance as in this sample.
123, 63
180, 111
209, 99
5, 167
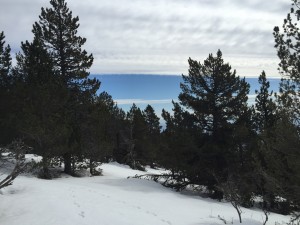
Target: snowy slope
112, 199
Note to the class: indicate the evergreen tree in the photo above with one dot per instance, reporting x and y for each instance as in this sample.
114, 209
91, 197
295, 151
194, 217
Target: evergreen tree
264, 120
121, 129
218, 99
5, 85
209, 136
5, 60
136, 133
152, 138
179, 151
280, 168
215, 94
96, 131
265, 107
138, 138
152, 120
57, 31
282, 147
288, 51
39, 97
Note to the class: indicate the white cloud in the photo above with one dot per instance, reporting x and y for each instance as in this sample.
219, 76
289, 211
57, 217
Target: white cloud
158, 36
141, 101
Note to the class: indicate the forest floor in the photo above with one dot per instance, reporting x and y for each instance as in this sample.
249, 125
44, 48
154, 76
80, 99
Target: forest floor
112, 199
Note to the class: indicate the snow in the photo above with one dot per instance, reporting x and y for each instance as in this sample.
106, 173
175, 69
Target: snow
112, 199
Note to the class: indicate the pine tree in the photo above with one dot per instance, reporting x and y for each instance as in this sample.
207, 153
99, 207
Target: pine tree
179, 151
136, 133
120, 127
57, 30
6, 130
288, 51
5, 60
152, 137
215, 94
40, 98
283, 147
218, 98
152, 120
280, 169
96, 133
265, 107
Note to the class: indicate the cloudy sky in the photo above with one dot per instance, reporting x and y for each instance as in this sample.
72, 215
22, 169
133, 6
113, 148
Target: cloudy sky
158, 36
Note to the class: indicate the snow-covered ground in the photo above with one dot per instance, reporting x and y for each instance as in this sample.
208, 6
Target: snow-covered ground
112, 199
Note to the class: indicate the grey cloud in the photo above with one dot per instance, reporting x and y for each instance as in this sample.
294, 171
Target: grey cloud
16, 19
281, 6
146, 36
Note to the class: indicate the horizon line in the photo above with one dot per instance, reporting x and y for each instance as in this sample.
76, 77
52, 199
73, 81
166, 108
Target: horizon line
166, 75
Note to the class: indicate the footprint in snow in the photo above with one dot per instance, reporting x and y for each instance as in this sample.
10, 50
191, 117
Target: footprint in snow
107, 196
82, 214
151, 213
166, 221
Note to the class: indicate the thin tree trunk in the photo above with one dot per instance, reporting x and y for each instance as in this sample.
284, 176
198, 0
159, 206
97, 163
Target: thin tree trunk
68, 163
45, 170
238, 210
92, 169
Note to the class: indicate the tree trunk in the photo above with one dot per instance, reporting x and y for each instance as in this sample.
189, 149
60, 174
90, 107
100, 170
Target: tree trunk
92, 168
234, 204
240, 217
68, 163
45, 173
266, 216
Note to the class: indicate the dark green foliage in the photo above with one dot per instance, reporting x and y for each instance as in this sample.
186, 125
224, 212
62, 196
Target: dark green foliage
178, 139
137, 138
215, 94
152, 120
277, 159
121, 128
288, 46
218, 100
137, 132
286, 138
97, 135
152, 137
5, 60
40, 99
288, 43
57, 31
265, 107
7, 132
264, 119
281, 168
179, 151
210, 136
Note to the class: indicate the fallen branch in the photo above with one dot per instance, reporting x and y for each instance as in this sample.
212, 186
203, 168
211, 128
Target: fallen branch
18, 148
176, 182
19, 168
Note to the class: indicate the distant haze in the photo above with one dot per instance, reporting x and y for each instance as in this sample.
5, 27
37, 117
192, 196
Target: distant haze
158, 91
158, 36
